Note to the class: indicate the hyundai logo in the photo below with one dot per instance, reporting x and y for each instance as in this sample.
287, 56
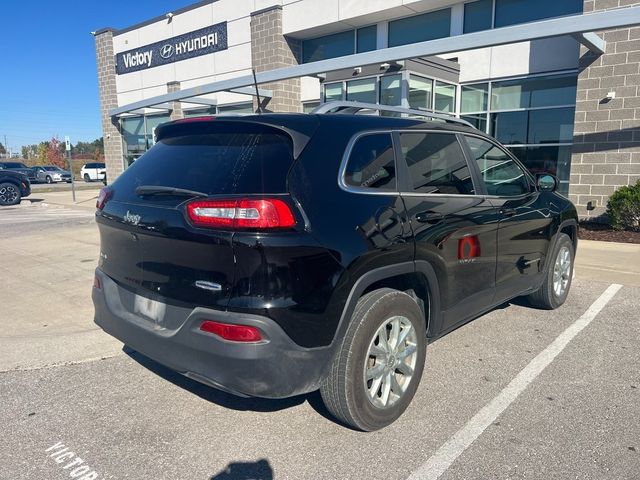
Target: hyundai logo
166, 51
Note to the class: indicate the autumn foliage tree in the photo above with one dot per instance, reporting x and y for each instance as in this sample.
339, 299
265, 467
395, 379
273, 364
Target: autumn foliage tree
54, 153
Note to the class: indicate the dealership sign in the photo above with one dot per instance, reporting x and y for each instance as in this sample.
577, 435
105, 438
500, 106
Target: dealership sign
189, 45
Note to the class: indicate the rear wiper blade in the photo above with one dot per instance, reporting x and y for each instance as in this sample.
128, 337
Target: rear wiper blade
143, 190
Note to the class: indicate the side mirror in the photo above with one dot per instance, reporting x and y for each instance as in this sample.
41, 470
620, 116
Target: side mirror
547, 183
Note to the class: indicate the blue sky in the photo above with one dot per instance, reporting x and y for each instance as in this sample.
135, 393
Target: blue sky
48, 83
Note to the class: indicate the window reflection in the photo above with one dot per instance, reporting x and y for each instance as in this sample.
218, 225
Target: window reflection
363, 90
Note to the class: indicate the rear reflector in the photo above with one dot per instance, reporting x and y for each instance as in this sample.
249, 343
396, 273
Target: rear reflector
103, 197
241, 213
96, 283
233, 333
468, 247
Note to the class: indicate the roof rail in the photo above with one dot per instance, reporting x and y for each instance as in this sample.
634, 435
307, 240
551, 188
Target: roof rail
349, 107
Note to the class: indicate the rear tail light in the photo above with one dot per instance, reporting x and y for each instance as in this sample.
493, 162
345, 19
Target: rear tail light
233, 333
241, 213
103, 197
196, 119
96, 283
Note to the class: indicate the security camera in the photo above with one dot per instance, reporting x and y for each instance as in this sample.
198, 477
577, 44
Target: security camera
169, 15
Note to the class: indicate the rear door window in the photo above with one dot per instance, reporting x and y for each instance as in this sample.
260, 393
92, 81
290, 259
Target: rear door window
221, 163
436, 163
372, 163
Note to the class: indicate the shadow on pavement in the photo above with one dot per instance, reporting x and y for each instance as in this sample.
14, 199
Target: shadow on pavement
260, 470
211, 394
228, 400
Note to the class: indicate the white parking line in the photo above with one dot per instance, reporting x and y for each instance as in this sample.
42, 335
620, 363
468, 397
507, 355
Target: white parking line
444, 457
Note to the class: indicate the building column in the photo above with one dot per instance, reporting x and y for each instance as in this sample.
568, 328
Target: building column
176, 107
106, 62
270, 49
606, 151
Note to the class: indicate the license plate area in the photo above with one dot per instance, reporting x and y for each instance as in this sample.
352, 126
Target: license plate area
149, 309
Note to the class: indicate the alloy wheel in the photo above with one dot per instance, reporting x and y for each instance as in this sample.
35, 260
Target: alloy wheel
562, 272
8, 194
391, 361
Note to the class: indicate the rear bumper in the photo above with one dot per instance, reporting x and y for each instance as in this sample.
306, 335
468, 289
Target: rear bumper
274, 368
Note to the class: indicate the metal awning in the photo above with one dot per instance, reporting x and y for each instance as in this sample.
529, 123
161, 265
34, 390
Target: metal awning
582, 27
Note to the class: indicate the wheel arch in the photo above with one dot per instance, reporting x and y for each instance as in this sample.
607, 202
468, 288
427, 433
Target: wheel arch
569, 227
417, 278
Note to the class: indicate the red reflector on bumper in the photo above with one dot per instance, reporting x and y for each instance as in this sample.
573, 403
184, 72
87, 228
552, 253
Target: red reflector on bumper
96, 283
233, 333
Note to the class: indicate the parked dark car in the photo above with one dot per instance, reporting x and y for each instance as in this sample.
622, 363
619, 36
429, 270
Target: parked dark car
16, 167
277, 254
13, 187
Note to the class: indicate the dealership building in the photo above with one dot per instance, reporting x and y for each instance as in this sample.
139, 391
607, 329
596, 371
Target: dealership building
568, 104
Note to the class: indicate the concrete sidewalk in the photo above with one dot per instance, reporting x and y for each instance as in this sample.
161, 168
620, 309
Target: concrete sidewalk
608, 262
85, 199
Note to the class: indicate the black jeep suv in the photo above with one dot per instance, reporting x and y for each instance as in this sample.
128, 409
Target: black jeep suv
13, 186
277, 254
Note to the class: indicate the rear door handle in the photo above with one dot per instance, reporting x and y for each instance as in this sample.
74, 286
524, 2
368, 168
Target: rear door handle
429, 217
508, 212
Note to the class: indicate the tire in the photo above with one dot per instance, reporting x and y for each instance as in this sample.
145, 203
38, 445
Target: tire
360, 403
9, 194
49, 179
87, 178
552, 294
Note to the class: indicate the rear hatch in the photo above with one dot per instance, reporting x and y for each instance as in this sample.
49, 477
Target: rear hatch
148, 242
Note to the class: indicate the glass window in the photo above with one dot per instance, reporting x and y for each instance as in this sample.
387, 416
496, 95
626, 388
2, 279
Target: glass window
445, 97
198, 112
366, 39
474, 98
436, 163
511, 12
133, 135
547, 159
246, 107
510, 128
390, 90
372, 164
235, 159
478, 121
534, 92
420, 28
554, 125
152, 123
307, 107
420, 92
501, 175
362, 90
478, 16
329, 46
333, 91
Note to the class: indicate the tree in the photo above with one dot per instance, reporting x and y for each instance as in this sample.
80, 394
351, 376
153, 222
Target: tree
54, 153
41, 153
2, 149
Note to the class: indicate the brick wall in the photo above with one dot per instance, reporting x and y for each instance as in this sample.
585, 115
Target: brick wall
176, 107
270, 50
106, 63
606, 152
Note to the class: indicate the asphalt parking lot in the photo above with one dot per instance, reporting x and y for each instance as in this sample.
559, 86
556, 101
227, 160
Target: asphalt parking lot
517, 393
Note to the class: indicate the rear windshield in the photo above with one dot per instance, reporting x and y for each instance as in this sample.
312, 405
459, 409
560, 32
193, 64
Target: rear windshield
214, 163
